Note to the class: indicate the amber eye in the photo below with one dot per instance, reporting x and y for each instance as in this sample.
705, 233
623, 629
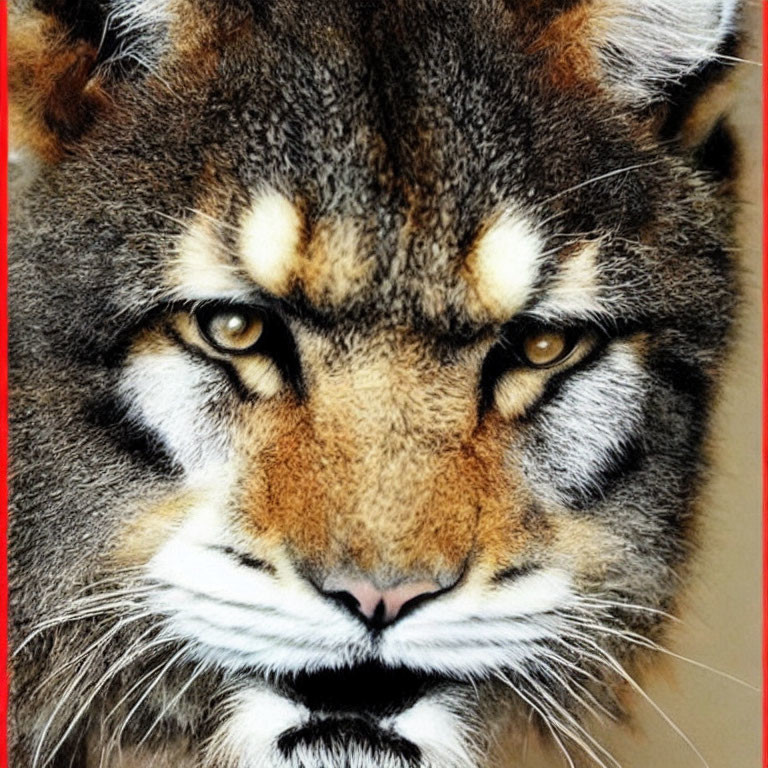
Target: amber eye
543, 349
232, 329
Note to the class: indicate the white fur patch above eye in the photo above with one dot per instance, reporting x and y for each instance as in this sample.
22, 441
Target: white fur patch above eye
643, 44
201, 269
270, 236
574, 290
504, 265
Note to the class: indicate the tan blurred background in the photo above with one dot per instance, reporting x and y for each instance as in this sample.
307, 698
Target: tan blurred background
722, 619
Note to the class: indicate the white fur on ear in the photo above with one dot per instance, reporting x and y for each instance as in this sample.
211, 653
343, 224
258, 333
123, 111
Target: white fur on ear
645, 44
142, 29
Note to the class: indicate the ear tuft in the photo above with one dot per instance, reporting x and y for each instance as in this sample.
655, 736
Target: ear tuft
646, 46
139, 30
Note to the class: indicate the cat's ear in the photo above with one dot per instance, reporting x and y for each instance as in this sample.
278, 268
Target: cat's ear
645, 47
64, 59
642, 49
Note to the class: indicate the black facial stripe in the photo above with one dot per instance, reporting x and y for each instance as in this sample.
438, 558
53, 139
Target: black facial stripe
111, 416
513, 573
505, 357
495, 366
554, 385
683, 376
617, 463
247, 560
226, 367
229, 369
276, 341
580, 453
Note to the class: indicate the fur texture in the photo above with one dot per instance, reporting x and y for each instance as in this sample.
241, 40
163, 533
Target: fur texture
407, 197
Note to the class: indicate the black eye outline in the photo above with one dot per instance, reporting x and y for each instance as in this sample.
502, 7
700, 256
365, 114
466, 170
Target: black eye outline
507, 354
276, 340
206, 314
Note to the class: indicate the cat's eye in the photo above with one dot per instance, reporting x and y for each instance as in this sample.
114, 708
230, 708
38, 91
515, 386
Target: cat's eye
234, 330
545, 348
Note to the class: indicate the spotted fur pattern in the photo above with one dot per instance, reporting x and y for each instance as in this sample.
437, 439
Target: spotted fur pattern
402, 193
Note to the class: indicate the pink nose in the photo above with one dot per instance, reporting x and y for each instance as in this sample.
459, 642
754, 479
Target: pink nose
378, 607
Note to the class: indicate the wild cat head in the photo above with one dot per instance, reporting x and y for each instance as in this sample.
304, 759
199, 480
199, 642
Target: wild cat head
363, 359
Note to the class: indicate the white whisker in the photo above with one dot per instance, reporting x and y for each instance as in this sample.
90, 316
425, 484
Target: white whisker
619, 669
199, 669
645, 642
574, 723
181, 652
550, 722
601, 177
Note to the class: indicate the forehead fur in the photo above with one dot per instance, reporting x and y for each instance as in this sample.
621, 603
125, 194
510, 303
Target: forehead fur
334, 258
390, 187
575, 287
201, 266
328, 259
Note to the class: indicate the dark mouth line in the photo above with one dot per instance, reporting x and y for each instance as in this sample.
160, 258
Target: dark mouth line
370, 689
272, 611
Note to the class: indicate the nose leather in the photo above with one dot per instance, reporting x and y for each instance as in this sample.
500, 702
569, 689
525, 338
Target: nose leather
375, 605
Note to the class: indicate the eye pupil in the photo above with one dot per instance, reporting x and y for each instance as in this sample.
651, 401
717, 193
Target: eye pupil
545, 348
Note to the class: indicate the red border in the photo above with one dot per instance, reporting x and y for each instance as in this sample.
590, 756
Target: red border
765, 393
3, 379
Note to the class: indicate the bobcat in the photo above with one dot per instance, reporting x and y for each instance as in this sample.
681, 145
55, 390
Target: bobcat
362, 356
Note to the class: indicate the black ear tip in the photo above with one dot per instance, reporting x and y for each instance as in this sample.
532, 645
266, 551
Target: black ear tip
92, 22
83, 19
718, 154
681, 98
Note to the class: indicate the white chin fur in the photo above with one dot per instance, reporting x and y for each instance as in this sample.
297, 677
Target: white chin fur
259, 717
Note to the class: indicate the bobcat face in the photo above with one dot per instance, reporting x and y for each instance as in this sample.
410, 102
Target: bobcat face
362, 364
